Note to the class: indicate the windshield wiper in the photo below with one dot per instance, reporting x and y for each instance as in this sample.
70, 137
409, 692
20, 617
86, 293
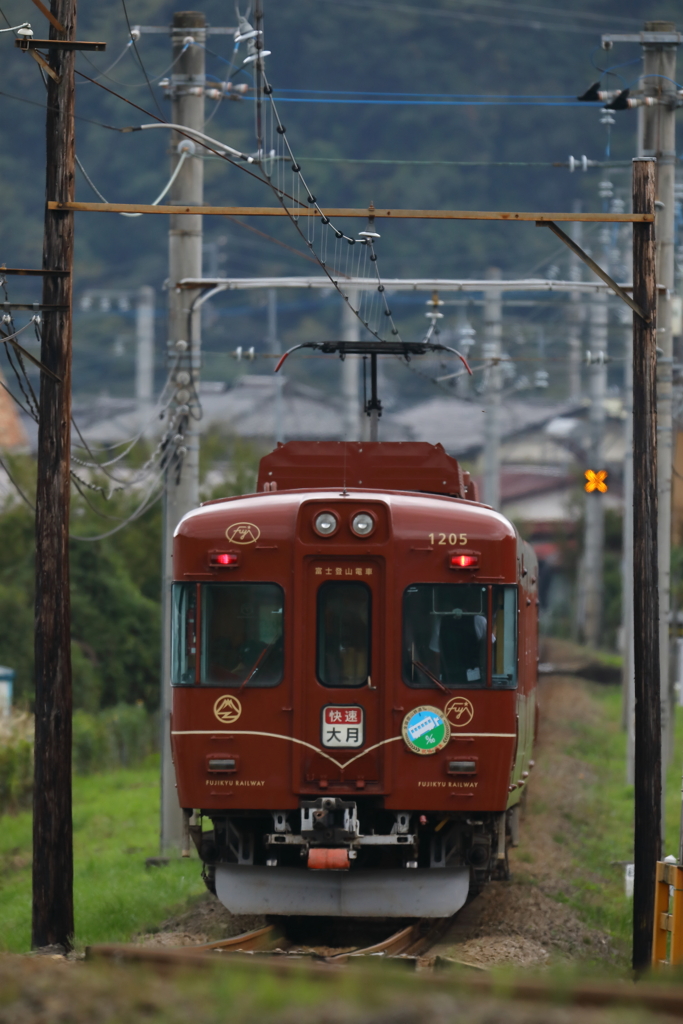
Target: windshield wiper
256, 664
430, 675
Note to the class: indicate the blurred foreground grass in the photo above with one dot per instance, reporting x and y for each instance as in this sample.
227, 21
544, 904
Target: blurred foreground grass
243, 991
116, 826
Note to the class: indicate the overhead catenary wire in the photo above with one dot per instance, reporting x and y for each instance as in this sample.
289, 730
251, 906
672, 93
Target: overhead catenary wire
367, 240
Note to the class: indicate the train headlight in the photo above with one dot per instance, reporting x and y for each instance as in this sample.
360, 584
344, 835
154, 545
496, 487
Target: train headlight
326, 524
362, 524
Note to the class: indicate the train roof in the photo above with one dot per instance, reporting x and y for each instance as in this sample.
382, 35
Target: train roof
379, 465
283, 503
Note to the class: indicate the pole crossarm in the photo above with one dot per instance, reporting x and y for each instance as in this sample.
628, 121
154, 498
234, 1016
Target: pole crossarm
279, 211
597, 269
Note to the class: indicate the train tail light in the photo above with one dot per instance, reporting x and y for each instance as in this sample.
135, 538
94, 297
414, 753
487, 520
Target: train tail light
463, 561
224, 559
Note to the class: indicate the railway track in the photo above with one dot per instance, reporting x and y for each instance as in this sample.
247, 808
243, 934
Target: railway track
410, 941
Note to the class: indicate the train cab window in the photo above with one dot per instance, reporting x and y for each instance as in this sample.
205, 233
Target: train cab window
504, 638
343, 634
242, 635
445, 630
184, 634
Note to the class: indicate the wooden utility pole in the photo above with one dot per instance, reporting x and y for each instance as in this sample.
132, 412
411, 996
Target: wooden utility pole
53, 917
648, 756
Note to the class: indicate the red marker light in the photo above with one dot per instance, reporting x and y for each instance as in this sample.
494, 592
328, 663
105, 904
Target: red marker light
224, 558
464, 561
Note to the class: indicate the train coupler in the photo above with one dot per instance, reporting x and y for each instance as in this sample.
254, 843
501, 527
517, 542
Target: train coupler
321, 858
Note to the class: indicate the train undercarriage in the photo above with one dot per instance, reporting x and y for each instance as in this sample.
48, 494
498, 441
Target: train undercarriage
353, 858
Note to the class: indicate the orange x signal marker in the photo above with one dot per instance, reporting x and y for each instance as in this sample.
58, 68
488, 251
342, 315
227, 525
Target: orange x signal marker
595, 481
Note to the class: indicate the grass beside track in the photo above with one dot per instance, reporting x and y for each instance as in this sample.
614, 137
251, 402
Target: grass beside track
116, 826
598, 828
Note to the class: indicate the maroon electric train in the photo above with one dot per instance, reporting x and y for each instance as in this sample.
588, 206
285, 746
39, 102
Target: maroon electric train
354, 683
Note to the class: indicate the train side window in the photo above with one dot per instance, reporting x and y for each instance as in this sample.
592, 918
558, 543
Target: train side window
504, 640
242, 634
343, 634
184, 634
445, 630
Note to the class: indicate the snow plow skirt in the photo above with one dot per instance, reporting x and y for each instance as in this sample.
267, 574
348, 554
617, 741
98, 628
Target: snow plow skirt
392, 893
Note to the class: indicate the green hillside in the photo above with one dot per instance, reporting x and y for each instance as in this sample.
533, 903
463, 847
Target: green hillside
452, 49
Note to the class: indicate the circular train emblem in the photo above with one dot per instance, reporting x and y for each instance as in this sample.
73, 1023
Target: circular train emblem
227, 709
243, 533
425, 730
459, 711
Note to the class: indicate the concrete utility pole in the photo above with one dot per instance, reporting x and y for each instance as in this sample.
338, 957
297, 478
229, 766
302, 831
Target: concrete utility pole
657, 138
491, 351
354, 425
184, 348
576, 312
144, 356
53, 911
274, 346
592, 571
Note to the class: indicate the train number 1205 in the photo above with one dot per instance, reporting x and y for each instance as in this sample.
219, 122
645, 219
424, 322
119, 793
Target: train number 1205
452, 539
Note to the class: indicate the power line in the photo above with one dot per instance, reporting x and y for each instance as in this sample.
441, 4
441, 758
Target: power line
44, 106
15, 484
142, 66
167, 186
161, 120
429, 103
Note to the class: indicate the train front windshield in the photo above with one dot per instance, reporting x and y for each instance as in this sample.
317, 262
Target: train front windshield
449, 630
241, 628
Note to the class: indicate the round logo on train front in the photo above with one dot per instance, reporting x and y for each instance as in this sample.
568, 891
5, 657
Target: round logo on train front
425, 730
243, 533
227, 709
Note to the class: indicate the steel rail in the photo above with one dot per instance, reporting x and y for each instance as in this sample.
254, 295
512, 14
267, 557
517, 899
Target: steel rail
279, 211
269, 938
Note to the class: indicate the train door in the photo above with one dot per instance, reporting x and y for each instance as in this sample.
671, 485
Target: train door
343, 675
